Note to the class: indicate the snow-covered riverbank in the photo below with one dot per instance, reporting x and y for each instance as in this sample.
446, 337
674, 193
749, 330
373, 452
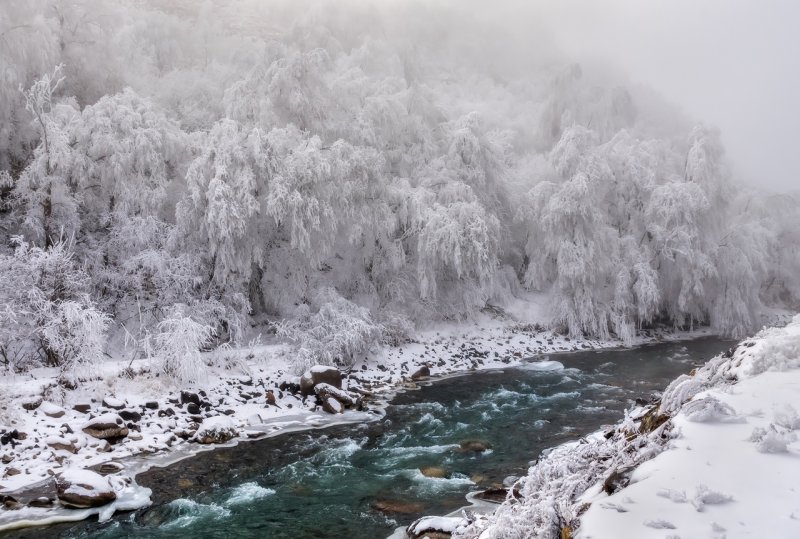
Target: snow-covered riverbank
255, 394
715, 458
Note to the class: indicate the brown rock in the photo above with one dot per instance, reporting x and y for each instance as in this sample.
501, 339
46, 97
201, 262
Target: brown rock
421, 373
10, 503
63, 445
477, 446
397, 507
436, 472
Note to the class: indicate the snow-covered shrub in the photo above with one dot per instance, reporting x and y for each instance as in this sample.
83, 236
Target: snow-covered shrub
335, 334
397, 329
175, 348
47, 311
705, 496
786, 416
773, 439
75, 334
710, 410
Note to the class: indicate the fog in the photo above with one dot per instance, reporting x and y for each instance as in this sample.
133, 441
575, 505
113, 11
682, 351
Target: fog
733, 64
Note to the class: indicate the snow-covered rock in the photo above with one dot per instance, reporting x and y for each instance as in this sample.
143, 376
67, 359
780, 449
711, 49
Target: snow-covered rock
113, 403
60, 443
105, 427
435, 527
216, 430
80, 489
51, 410
320, 374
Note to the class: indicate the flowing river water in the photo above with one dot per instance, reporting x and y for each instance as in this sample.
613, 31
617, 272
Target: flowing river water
364, 480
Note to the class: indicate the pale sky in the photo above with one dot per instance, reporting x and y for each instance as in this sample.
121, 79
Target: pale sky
730, 63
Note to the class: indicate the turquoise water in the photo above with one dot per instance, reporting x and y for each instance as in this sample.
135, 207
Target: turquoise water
345, 481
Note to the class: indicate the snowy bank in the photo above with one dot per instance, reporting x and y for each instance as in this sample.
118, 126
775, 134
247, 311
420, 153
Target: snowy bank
716, 457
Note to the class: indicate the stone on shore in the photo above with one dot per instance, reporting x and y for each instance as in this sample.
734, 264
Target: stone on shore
80, 489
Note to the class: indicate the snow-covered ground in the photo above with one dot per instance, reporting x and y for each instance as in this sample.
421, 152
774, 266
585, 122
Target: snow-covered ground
42, 439
734, 468
717, 457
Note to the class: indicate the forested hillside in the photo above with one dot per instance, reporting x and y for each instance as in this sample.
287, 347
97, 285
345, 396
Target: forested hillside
175, 174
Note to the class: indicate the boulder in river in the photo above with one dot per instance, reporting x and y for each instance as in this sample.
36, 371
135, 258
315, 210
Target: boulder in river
397, 507
475, 446
79, 489
319, 374
106, 427
435, 472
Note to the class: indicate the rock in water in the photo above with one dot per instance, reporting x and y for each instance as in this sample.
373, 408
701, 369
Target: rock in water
319, 374
477, 446
436, 472
216, 430
106, 427
398, 507
79, 489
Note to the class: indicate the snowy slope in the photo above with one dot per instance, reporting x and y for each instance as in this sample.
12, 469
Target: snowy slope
717, 457
723, 476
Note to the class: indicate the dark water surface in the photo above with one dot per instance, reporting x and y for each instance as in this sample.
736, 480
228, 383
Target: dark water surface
327, 483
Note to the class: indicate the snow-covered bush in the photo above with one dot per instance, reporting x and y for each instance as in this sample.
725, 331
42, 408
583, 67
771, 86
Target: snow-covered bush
335, 334
175, 349
47, 311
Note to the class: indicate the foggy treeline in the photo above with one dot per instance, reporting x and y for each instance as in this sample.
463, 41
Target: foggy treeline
173, 173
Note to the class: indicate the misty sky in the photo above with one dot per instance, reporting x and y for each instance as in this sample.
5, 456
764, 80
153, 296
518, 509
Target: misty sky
730, 63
